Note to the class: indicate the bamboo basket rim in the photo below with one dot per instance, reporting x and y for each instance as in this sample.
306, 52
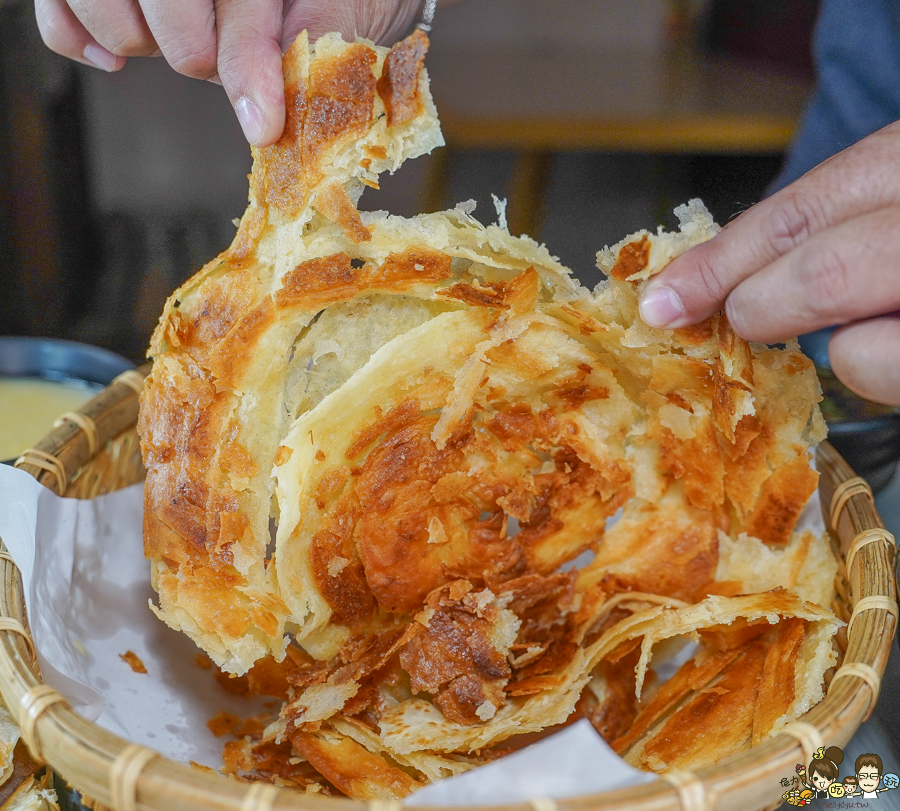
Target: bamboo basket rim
126, 776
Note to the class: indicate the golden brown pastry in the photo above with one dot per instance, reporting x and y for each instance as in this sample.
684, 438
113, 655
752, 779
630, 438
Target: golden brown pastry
228, 366
435, 420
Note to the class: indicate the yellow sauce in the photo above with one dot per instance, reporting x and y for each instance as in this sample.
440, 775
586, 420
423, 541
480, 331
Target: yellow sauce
28, 408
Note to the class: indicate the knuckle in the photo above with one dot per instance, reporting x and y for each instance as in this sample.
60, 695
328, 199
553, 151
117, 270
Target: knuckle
191, 49
119, 28
53, 34
198, 63
130, 43
256, 67
825, 280
797, 217
234, 53
712, 286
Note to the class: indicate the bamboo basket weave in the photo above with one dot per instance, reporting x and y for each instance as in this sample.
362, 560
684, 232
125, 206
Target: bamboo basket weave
96, 451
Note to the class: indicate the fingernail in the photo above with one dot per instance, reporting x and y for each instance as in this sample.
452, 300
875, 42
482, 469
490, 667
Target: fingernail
252, 121
215, 80
99, 57
661, 307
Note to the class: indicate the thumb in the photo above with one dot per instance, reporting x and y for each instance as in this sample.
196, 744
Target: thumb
249, 64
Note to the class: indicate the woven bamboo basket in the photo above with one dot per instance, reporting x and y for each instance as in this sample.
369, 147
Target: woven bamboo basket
96, 451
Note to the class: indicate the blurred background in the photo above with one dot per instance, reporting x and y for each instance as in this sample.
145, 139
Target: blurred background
593, 118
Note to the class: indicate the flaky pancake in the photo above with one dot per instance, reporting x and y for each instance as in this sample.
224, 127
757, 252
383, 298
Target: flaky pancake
375, 447
216, 406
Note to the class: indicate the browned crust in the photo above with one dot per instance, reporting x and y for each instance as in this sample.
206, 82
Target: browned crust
334, 203
343, 585
399, 82
181, 420
352, 768
401, 523
210, 334
667, 554
616, 714
696, 334
781, 500
745, 464
250, 230
733, 346
335, 104
133, 661
716, 721
406, 481
725, 394
518, 294
777, 686
453, 658
318, 282
633, 258
478, 294
692, 676
697, 464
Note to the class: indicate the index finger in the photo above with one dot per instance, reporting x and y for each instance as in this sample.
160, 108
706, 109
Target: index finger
186, 34
853, 183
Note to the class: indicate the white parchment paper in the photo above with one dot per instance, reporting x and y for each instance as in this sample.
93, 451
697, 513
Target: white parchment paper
572, 762
89, 603
87, 589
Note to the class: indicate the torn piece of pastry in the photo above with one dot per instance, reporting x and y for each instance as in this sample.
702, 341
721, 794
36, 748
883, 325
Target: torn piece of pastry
19, 788
133, 661
9, 737
436, 420
219, 400
806, 566
35, 794
761, 663
724, 621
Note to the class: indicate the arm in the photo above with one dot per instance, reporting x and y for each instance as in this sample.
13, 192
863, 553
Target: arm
235, 43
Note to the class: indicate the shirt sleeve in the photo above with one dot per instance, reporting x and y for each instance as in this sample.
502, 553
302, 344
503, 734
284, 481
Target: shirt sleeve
856, 49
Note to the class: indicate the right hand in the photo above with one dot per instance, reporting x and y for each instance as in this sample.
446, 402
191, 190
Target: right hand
235, 43
820, 252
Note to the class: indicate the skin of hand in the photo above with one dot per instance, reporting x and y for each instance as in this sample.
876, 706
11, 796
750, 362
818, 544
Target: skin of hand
823, 251
235, 43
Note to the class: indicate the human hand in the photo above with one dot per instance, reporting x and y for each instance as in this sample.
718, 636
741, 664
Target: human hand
236, 43
823, 251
